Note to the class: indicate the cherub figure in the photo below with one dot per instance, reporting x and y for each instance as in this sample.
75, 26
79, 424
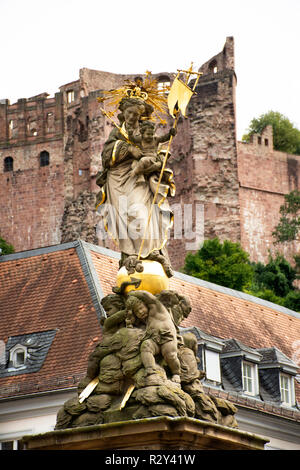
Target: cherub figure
150, 162
114, 306
136, 313
161, 333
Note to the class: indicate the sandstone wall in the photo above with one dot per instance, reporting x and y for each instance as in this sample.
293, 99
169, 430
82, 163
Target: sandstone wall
32, 205
32, 196
265, 176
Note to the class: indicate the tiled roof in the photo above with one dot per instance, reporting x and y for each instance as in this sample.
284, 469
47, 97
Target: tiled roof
60, 288
45, 290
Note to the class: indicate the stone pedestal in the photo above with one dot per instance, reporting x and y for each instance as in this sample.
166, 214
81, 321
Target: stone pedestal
161, 433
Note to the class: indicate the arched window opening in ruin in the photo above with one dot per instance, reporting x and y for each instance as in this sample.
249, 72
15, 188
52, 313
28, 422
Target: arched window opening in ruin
10, 128
163, 84
70, 96
266, 142
259, 140
44, 158
213, 66
8, 164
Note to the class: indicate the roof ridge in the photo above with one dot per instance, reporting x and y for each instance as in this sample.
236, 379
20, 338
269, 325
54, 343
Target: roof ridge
235, 293
39, 251
91, 276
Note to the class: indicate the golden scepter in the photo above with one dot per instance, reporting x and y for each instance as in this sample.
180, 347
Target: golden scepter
178, 99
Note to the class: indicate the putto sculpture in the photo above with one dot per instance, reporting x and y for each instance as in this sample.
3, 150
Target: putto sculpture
143, 366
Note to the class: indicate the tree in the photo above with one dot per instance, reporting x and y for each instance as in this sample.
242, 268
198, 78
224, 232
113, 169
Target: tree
224, 263
277, 276
5, 248
292, 300
286, 137
289, 222
228, 265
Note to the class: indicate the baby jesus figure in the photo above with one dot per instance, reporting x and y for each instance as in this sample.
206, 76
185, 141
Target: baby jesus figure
161, 333
150, 161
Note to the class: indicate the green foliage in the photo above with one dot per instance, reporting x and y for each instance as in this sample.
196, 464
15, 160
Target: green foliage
289, 222
267, 294
292, 300
224, 264
277, 276
228, 265
5, 247
286, 137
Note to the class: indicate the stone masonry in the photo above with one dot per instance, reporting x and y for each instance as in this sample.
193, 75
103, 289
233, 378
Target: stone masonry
233, 190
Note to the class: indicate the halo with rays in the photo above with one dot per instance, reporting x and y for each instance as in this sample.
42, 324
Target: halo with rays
143, 89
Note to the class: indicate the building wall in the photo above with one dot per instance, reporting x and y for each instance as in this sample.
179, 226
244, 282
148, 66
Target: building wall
31, 415
265, 176
32, 197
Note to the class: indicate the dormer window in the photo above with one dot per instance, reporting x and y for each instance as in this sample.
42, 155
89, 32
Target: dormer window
209, 349
250, 378
212, 366
239, 365
287, 390
18, 356
277, 374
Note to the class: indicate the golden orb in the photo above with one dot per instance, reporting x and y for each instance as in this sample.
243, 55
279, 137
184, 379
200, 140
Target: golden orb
153, 278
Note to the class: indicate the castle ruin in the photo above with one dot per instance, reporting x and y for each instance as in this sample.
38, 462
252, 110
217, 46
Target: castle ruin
50, 154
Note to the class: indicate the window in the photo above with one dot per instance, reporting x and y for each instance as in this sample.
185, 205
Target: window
9, 445
44, 158
70, 96
8, 164
212, 365
213, 66
249, 376
163, 84
287, 392
32, 126
18, 356
10, 128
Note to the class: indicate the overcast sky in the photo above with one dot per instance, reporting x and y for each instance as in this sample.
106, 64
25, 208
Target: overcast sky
44, 43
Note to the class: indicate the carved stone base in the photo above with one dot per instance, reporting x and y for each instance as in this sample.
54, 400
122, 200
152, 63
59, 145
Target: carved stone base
161, 433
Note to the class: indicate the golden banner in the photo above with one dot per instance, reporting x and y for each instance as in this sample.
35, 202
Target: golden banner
179, 97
